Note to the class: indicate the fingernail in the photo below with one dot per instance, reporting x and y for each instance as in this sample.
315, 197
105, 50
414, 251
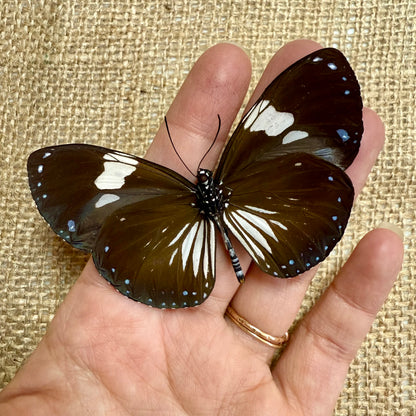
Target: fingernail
392, 227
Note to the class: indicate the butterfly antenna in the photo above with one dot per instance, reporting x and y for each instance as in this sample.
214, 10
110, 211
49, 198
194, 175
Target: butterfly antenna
174, 148
212, 144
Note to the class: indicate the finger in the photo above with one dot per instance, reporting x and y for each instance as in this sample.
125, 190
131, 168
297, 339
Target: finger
371, 145
280, 299
215, 86
311, 371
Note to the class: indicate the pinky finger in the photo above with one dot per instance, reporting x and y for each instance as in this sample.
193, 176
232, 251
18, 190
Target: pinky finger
312, 369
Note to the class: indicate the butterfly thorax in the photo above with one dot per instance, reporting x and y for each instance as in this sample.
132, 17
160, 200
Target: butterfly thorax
211, 199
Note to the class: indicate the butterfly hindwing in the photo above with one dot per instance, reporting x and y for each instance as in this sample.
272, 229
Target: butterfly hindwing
298, 216
314, 106
159, 252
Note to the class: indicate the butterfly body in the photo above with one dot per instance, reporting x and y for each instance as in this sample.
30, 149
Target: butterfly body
279, 189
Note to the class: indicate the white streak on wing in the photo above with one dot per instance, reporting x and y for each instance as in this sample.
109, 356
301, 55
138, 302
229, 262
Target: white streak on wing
178, 236
114, 175
199, 242
212, 243
239, 217
173, 256
249, 247
279, 224
263, 211
187, 244
206, 251
294, 135
264, 117
259, 222
106, 199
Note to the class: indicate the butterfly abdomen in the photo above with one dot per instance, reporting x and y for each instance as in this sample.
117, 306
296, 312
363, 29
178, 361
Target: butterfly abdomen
212, 199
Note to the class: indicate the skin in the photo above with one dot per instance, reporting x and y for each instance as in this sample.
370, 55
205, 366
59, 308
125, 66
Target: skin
105, 354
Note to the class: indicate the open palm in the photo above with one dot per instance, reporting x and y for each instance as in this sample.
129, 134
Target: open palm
105, 354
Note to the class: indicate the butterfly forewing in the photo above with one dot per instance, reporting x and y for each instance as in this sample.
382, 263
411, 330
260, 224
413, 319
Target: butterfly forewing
314, 107
298, 216
77, 186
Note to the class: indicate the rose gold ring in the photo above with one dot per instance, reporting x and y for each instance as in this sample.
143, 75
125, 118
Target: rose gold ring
244, 325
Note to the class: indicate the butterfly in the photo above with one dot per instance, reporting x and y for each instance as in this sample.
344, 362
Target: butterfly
279, 188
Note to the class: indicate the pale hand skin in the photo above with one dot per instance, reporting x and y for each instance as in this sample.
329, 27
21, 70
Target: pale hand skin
107, 355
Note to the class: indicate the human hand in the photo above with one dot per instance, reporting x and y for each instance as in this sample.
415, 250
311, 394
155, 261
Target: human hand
105, 354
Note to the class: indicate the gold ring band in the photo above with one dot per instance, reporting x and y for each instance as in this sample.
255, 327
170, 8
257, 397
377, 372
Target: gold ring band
244, 325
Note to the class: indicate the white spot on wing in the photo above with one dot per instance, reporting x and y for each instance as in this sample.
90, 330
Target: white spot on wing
114, 175
47, 154
106, 199
294, 135
264, 117
40, 168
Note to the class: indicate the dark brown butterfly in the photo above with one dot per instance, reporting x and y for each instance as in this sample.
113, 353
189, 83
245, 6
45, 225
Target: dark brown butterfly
279, 188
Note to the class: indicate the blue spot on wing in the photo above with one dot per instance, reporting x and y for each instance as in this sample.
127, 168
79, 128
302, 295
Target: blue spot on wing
71, 225
343, 134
